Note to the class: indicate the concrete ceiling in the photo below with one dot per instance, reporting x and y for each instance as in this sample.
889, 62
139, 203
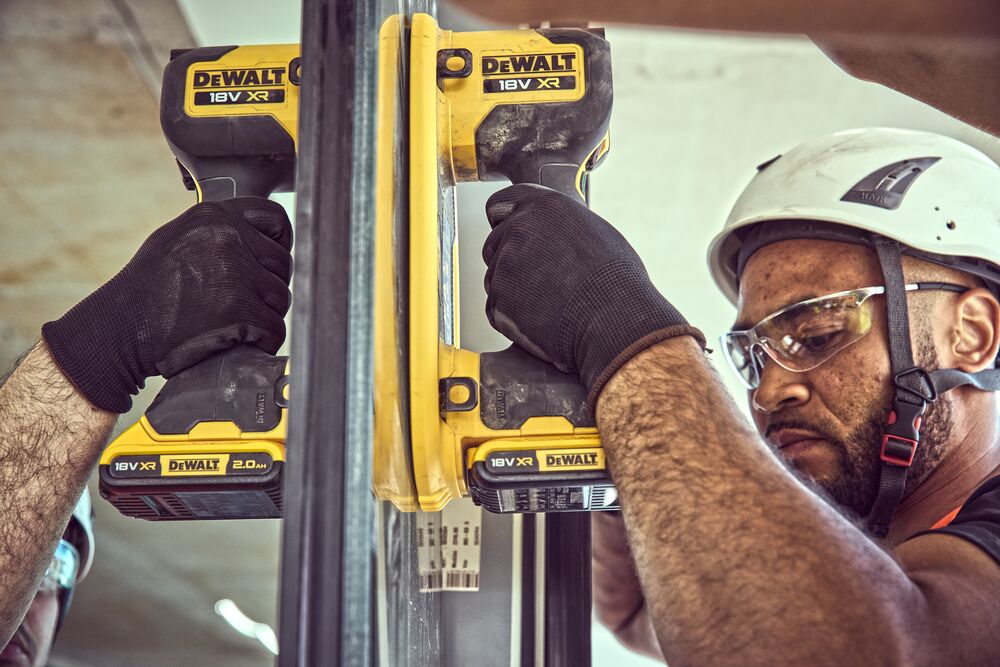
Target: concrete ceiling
87, 176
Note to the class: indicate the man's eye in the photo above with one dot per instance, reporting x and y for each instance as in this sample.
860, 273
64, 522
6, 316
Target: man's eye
820, 342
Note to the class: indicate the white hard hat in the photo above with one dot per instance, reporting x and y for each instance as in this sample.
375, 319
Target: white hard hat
926, 191
80, 533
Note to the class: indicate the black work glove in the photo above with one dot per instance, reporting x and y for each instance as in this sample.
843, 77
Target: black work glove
566, 286
213, 277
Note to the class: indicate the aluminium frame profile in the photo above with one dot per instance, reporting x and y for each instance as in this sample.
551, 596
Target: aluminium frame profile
325, 606
325, 610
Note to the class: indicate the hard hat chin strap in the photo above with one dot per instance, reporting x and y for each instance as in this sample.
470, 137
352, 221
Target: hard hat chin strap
915, 388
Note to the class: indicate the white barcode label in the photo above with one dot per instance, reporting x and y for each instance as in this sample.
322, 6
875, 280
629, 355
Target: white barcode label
459, 580
448, 546
431, 581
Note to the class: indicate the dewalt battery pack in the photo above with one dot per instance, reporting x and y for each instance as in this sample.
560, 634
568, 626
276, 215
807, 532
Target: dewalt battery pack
210, 448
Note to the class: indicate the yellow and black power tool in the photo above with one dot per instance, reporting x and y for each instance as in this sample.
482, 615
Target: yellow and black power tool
529, 106
512, 432
212, 443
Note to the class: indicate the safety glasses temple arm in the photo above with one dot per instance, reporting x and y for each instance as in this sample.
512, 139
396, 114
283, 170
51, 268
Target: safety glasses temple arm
948, 287
865, 291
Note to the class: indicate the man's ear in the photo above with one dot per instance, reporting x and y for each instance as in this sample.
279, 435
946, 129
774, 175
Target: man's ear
976, 335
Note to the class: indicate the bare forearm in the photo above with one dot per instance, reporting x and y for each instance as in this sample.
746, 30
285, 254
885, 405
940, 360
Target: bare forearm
618, 599
50, 438
920, 49
736, 556
958, 76
878, 17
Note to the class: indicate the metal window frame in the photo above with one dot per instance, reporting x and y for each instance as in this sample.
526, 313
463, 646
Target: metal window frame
326, 615
325, 611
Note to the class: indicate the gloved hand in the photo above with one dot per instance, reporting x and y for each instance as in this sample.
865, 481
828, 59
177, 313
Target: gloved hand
566, 286
214, 277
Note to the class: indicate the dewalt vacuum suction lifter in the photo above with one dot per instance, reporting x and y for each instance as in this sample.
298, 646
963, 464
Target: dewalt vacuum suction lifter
528, 106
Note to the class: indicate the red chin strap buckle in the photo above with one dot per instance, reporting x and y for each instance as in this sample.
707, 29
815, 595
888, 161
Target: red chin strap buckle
902, 433
898, 451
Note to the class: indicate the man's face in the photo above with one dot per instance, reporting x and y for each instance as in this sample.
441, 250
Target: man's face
828, 422
30, 645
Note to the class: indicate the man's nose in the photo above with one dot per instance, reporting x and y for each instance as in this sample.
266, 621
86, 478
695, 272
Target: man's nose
779, 389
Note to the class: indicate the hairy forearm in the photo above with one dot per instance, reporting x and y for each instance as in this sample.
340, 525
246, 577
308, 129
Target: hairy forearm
739, 560
943, 54
618, 599
50, 438
958, 76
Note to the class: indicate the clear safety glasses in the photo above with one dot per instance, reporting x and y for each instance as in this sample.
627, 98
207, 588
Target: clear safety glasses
803, 335
63, 569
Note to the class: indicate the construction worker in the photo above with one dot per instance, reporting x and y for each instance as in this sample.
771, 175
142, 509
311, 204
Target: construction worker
857, 521
32, 642
215, 276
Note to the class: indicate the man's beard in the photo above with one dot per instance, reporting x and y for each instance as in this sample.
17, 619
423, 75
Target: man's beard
857, 487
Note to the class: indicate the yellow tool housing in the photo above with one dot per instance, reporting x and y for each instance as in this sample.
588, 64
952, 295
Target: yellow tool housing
523, 105
528, 106
212, 444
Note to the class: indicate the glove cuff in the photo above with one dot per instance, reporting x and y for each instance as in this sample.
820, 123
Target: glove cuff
617, 313
87, 370
647, 341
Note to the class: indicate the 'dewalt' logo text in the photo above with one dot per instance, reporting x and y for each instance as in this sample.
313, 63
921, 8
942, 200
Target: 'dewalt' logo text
229, 78
193, 465
260, 85
570, 460
527, 72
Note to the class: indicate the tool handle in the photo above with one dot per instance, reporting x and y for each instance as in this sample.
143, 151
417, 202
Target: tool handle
221, 179
565, 178
243, 385
192, 392
567, 175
